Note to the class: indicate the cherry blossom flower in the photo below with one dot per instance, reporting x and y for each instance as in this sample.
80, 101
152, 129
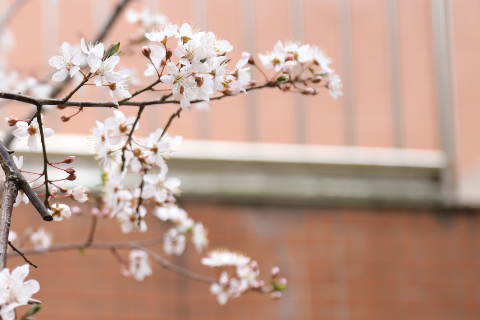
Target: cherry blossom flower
12, 236
121, 126
163, 31
320, 58
186, 33
214, 45
60, 211
98, 49
174, 242
14, 292
121, 87
179, 78
41, 239
104, 68
79, 194
139, 266
226, 288
275, 59
31, 131
199, 237
69, 62
219, 258
335, 86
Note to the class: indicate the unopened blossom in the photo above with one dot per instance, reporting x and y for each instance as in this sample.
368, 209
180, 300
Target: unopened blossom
69, 62
79, 194
139, 266
14, 291
104, 68
335, 86
199, 237
31, 131
275, 59
12, 236
219, 258
156, 57
60, 211
41, 239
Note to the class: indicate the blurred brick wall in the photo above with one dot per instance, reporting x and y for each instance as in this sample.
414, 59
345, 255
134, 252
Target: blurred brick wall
340, 263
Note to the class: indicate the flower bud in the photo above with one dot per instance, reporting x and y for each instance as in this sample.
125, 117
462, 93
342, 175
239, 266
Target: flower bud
288, 66
69, 159
254, 265
53, 190
76, 210
11, 121
105, 212
261, 283
72, 177
308, 91
168, 54
63, 189
95, 212
163, 63
199, 81
65, 118
316, 91
125, 273
275, 271
146, 51
289, 57
317, 79
70, 170
61, 107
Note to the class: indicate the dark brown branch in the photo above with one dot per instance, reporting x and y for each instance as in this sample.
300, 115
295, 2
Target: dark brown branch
130, 135
45, 157
173, 116
22, 255
9, 195
92, 231
9, 167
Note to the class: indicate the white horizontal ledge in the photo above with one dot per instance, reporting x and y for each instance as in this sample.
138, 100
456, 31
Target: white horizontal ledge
78, 145
279, 173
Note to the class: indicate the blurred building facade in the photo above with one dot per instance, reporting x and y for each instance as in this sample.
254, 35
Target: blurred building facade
368, 203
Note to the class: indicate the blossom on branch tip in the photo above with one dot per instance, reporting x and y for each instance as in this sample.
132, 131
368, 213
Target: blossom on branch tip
79, 194
335, 86
60, 211
139, 266
14, 292
31, 131
41, 239
69, 62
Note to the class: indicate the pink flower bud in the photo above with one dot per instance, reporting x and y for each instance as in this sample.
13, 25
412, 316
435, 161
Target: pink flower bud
316, 91
168, 54
72, 177
261, 283
11, 121
70, 170
63, 189
275, 271
65, 118
61, 107
146, 51
282, 281
95, 212
105, 212
254, 265
76, 210
317, 79
289, 57
288, 66
53, 190
308, 91
125, 273
69, 159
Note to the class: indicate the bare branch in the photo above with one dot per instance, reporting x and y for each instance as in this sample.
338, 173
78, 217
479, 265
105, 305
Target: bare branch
10, 168
45, 158
22, 255
9, 195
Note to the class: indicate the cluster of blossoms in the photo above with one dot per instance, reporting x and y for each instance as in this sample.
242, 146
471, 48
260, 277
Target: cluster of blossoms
14, 291
246, 272
120, 152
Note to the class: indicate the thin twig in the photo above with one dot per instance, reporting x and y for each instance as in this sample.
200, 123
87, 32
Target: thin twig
130, 135
22, 255
45, 158
92, 231
173, 116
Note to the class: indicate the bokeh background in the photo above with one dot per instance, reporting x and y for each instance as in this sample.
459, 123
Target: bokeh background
368, 204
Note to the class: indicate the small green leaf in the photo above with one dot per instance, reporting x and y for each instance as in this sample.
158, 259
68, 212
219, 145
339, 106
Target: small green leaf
112, 49
34, 309
279, 286
323, 75
81, 250
283, 78
29, 318
312, 70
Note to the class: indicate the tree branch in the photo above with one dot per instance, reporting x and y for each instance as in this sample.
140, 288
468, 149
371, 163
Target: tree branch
9, 195
45, 158
9, 167
22, 255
